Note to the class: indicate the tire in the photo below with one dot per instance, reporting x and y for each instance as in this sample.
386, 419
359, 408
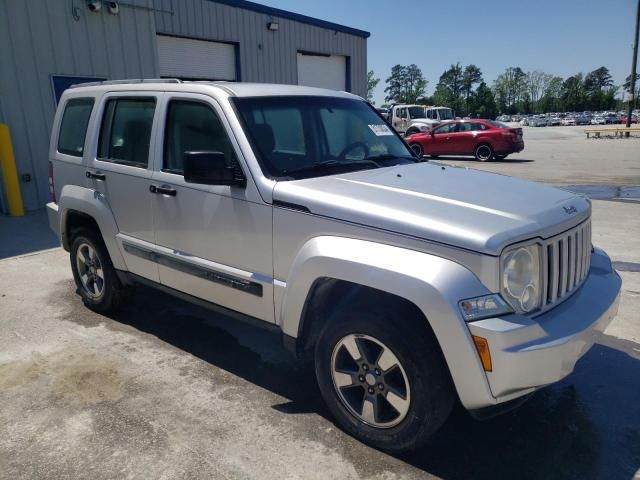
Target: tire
417, 149
500, 157
483, 152
96, 279
423, 404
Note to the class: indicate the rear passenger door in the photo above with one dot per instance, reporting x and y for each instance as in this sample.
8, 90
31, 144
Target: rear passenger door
120, 171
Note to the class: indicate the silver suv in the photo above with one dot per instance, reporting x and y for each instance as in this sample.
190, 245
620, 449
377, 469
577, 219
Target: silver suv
408, 284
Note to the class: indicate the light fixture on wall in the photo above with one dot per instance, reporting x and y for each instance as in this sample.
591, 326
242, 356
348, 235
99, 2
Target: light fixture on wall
113, 7
273, 26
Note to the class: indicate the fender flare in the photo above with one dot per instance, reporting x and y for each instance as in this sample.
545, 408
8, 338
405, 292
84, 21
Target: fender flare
94, 204
432, 283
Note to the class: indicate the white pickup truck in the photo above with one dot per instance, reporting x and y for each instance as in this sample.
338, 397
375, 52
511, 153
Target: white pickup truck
410, 285
410, 119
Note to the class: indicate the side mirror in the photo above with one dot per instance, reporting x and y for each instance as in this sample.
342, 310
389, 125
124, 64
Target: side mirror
211, 168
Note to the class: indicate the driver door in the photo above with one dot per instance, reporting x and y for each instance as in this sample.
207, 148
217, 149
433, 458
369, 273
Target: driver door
214, 241
443, 139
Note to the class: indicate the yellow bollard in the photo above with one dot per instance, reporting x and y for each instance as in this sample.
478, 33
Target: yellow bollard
9, 173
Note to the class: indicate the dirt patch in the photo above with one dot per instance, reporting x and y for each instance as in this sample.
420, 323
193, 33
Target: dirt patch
71, 377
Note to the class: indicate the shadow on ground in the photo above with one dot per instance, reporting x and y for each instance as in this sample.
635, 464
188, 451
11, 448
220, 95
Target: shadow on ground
585, 427
27, 234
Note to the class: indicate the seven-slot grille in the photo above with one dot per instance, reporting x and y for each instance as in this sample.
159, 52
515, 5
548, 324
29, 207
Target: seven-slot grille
566, 259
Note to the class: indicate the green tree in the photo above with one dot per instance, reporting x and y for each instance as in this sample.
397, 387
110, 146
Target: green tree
483, 104
372, 83
449, 89
405, 85
626, 86
510, 89
596, 88
470, 77
573, 93
551, 101
394, 85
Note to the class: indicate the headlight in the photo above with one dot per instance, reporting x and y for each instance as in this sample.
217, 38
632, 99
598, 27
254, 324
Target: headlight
521, 278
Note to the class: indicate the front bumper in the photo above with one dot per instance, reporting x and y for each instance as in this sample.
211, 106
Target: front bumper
528, 353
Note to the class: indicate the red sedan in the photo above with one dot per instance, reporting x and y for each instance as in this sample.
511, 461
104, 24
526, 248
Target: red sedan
484, 139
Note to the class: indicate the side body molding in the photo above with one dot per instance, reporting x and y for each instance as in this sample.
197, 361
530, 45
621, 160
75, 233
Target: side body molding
94, 204
433, 284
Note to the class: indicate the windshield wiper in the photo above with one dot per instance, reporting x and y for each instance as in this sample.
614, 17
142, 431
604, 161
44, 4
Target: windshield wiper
384, 157
328, 164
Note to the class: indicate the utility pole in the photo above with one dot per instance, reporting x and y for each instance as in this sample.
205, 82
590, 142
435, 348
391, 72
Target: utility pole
634, 62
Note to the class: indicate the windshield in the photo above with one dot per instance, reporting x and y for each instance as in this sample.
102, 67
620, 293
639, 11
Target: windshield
302, 137
417, 112
446, 114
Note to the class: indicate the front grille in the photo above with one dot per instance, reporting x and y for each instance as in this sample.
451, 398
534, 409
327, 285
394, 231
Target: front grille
566, 259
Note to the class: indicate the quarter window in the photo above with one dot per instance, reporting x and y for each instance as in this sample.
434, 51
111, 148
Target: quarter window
192, 127
73, 127
126, 131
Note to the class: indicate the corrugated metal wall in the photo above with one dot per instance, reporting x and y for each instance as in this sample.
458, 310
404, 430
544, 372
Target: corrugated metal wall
265, 56
39, 38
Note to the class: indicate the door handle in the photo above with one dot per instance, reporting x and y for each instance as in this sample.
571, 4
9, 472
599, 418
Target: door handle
96, 175
163, 190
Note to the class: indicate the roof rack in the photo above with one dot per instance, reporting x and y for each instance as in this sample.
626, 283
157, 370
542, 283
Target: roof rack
127, 81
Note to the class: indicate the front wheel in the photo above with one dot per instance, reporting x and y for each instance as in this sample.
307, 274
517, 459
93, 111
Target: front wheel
483, 152
383, 378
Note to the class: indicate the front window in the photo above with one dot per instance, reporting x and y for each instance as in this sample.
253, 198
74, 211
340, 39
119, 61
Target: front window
416, 112
303, 137
445, 114
446, 128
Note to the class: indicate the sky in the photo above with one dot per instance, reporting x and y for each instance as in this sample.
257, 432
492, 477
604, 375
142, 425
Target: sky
562, 37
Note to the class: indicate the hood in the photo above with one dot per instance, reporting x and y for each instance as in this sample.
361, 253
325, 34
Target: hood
461, 207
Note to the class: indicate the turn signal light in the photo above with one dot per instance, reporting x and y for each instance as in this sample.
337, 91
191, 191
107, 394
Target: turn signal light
482, 346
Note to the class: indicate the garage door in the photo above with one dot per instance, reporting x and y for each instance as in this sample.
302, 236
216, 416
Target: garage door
328, 71
196, 59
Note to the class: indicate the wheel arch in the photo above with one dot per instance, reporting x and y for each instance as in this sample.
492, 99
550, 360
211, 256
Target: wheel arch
80, 207
335, 269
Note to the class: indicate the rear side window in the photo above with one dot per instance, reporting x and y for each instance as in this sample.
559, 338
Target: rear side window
192, 127
73, 127
126, 131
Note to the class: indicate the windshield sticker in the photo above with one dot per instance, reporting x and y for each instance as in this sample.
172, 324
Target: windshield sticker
381, 130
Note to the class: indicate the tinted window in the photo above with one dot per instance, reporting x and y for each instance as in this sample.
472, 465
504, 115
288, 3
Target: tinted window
126, 131
416, 112
447, 128
192, 127
470, 127
294, 133
73, 127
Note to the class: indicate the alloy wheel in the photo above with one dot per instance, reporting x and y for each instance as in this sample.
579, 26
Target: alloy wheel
90, 270
370, 381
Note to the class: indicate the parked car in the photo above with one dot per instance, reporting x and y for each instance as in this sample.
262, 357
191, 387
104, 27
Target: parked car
623, 119
583, 119
537, 122
410, 286
599, 120
484, 139
554, 121
568, 121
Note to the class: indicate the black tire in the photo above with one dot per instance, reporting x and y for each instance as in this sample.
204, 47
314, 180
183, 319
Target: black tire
417, 149
483, 152
500, 157
430, 389
109, 291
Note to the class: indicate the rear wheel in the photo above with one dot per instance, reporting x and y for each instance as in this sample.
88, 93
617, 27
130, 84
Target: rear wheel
96, 279
500, 157
383, 378
417, 149
483, 152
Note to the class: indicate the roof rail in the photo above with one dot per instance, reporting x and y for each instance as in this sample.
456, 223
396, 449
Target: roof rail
127, 81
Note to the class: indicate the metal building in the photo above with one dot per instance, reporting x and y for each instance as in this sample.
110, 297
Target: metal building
48, 45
